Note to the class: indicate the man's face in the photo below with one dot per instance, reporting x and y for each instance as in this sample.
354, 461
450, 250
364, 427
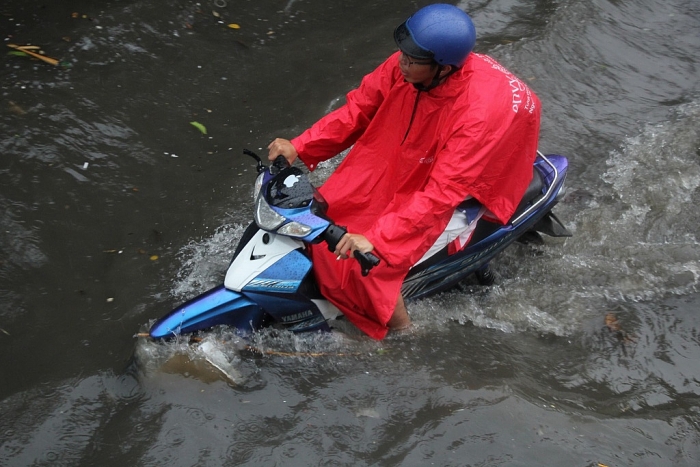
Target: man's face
417, 71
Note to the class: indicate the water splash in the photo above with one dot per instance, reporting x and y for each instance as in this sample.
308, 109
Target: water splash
204, 261
634, 240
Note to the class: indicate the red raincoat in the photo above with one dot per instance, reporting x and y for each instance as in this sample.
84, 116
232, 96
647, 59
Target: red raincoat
416, 156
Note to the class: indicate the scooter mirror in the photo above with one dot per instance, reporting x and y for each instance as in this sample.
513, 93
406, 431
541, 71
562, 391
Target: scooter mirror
260, 167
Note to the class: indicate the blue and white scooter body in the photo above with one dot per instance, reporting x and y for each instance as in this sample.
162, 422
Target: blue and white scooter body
272, 263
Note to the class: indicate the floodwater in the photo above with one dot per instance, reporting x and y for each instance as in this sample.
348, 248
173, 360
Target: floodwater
114, 208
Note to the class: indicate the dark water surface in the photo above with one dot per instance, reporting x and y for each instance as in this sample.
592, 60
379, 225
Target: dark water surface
114, 208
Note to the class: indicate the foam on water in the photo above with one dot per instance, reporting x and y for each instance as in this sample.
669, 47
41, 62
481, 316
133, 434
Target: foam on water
646, 227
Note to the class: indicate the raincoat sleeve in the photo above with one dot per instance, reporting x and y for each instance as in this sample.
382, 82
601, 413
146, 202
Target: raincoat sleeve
340, 129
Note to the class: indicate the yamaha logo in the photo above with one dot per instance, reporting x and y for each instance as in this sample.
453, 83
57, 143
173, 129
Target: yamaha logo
297, 316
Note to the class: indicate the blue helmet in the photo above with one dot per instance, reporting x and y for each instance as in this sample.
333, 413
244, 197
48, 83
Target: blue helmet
439, 32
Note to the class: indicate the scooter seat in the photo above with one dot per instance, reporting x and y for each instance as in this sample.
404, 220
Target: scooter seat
535, 189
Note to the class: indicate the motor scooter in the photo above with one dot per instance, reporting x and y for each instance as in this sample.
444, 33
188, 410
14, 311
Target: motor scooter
270, 280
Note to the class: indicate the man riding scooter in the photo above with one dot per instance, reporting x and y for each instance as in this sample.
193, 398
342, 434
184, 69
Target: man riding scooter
430, 127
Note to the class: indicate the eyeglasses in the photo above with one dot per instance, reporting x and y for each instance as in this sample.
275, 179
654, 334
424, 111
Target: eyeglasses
405, 60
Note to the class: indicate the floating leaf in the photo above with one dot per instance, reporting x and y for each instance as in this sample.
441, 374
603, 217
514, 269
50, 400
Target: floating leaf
18, 53
154, 257
200, 127
234, 26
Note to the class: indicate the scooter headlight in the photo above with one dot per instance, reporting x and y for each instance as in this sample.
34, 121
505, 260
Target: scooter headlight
295, 229
265, 216
258, 184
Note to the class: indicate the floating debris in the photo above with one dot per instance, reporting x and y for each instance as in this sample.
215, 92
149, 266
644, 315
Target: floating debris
614, 326
200, 127
27, 49
16, 109
214, 354
79, 15
368, 412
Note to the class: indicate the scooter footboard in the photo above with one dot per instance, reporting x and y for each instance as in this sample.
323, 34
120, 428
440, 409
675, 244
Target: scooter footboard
218, 306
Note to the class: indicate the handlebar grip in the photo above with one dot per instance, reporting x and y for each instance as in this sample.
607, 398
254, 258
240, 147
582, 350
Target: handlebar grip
367, 261
281, 163
332, 236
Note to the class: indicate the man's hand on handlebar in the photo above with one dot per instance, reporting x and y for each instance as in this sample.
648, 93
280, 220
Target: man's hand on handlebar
282, 147
341, 243
351, 242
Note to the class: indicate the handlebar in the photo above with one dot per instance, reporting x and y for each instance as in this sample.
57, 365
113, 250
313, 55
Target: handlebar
333, 233
367, 261
332, 236
278, 165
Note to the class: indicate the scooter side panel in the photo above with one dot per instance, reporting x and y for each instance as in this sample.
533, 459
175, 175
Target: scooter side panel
294, 311
279, 291
453, 269
260, 254
218, 306
283, 276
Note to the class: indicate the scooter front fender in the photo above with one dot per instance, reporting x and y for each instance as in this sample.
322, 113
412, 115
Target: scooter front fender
218, 306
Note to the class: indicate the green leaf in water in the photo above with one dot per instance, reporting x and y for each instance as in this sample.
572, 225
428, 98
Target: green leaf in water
18, 53
200, 127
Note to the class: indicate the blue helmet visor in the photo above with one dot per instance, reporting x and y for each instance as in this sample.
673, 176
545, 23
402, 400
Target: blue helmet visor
407, 45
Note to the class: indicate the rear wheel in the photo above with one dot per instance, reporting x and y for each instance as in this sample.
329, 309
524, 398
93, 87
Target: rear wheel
485, 275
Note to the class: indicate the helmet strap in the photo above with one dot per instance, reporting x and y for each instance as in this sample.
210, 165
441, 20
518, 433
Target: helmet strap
437, 79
